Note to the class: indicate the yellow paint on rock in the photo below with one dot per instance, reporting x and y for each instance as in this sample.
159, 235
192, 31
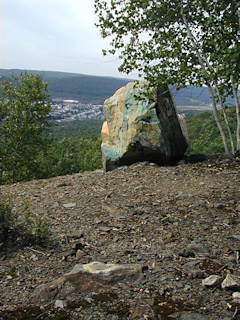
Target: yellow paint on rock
98, 267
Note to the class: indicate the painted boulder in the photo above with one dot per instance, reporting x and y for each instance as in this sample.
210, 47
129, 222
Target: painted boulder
142, 127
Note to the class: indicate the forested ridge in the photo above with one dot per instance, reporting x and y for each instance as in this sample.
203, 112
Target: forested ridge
96, 89
85, 88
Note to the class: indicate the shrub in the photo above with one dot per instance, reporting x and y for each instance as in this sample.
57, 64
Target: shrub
24, 225
7, 218
33, 227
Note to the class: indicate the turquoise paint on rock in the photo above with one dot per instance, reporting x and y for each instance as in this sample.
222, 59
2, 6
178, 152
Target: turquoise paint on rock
141, 129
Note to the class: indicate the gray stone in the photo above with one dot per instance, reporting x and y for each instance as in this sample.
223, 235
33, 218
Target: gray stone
197, 247
89, 317
59, 304
236, 236
69, 205
75, 234
196, 273
231, 282
105, 228
183, 196
191, 265
79, 254
186, 253
212, 280
236, 297
189, 316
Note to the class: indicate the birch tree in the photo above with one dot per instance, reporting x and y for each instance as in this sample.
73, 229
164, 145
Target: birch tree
178, 42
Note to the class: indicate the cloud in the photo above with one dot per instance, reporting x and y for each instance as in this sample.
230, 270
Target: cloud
55, 35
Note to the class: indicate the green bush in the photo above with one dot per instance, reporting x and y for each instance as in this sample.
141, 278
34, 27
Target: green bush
24, 225
75, 129
24, 114
7, 218
33, 227
71, 155
75, 147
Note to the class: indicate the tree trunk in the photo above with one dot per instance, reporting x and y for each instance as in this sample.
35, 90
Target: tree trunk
210, 90
237, 112
225, 118
218, 122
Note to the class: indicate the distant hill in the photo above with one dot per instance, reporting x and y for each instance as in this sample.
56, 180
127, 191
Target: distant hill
85, 88
96, 89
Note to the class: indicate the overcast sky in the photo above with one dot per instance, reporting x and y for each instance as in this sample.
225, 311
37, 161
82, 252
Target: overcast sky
53, 35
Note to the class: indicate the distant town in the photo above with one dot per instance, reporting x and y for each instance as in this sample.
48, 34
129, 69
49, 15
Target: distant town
69, 110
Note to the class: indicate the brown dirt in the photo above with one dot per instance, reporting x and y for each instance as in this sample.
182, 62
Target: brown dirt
146, 214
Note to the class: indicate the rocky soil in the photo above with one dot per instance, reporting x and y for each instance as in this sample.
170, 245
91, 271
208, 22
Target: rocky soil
180, 223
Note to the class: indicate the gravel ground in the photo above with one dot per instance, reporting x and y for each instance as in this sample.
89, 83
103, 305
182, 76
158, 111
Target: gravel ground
181, 223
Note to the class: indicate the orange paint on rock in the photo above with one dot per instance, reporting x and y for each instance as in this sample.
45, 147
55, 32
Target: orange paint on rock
105, 130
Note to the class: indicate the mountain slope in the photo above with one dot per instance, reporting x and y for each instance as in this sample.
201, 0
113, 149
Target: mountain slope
96, 89
85, 88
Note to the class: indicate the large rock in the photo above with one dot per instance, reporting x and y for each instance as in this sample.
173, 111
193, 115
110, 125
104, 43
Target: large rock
141, 129
94, 276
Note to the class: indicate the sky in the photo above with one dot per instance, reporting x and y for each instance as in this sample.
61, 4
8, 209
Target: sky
53, 35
